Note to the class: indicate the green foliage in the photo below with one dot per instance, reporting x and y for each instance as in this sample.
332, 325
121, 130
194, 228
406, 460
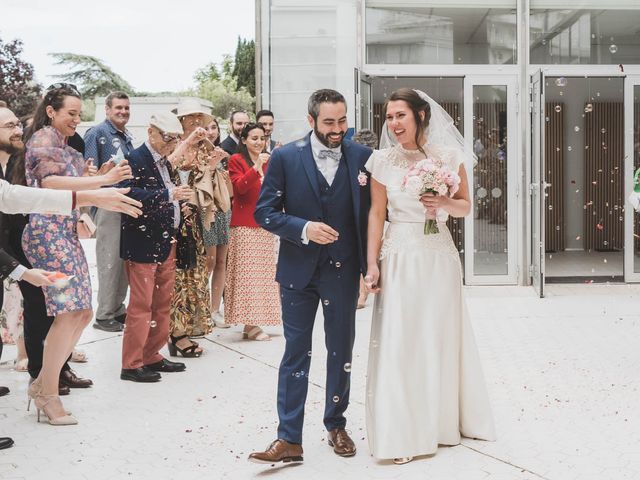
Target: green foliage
221, 88
91, 75
244, 67
17, 85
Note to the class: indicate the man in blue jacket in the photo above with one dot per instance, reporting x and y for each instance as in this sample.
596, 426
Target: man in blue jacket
316, 198
147, 245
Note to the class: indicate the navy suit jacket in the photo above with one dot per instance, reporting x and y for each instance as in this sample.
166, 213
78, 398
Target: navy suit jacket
290, 197
147, 239
229, 145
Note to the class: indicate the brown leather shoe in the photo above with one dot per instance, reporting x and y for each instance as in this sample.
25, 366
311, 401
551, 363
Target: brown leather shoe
71, 380
341, 442
278, 451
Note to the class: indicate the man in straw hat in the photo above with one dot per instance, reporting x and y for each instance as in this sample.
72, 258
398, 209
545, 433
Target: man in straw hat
148, 248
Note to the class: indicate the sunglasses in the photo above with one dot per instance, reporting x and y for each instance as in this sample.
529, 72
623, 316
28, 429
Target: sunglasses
68, 86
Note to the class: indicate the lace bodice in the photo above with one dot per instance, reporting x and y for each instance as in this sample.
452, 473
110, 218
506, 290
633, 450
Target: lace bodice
389, 167
406, 214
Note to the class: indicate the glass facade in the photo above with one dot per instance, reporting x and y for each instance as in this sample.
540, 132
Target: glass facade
586, 35
418, 32
421, 44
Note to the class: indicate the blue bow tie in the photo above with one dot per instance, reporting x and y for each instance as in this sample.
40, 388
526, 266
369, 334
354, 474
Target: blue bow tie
323, 154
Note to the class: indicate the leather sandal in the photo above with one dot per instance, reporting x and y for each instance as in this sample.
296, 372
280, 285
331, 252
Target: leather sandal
257, 334
188, 352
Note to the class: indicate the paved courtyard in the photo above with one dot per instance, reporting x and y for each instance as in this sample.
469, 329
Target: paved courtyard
563, 376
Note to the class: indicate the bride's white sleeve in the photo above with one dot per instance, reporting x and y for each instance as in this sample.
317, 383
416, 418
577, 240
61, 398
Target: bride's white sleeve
377, 166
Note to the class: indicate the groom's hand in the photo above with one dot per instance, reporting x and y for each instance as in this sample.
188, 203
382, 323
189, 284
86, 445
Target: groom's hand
321, 233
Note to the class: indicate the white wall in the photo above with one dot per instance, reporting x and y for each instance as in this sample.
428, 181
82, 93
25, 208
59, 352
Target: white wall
141, 110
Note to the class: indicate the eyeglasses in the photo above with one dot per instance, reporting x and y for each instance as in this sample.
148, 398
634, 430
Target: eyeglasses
68, 86
12, 126
166, 138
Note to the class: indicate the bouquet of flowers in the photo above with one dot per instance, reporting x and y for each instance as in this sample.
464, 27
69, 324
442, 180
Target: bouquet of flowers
428, 176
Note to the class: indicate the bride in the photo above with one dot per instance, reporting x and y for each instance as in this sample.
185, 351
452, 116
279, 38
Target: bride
424, 384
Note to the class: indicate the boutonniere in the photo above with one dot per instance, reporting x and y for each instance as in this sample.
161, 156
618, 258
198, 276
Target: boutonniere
362, 178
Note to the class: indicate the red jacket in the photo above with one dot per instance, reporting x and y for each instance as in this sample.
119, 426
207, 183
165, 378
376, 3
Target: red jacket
246, 189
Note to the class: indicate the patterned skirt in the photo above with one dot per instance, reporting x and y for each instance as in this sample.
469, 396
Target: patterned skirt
218, 232
191, 304
251, 294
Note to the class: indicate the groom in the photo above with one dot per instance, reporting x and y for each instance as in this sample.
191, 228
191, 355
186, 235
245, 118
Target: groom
316, 198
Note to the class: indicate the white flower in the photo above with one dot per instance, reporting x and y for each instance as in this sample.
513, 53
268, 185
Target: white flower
414, 186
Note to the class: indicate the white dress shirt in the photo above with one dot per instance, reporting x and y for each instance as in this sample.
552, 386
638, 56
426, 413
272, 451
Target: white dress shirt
328, 167
161, 163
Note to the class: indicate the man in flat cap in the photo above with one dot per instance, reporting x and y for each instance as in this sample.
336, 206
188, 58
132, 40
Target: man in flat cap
148, 247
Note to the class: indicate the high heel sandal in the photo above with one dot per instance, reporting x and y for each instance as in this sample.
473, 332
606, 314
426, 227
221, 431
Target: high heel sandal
188, 352
42, 401
33, 391
257, 334
402, 460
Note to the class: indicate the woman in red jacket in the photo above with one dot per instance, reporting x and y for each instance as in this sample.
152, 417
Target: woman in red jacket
251, 295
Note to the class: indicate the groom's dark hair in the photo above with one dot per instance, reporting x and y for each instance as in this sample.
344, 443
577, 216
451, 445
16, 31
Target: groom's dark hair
325, 95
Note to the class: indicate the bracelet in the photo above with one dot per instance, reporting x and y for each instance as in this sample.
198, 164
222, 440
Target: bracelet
73, 200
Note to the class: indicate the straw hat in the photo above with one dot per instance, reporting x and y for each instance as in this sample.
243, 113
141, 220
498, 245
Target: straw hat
191, 106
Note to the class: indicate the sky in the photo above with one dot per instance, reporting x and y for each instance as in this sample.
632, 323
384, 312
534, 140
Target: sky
156, 45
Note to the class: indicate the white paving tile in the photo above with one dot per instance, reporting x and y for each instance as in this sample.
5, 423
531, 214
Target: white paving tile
561, 372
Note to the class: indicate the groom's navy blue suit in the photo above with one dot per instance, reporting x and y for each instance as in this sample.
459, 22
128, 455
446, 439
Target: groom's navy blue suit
293, 193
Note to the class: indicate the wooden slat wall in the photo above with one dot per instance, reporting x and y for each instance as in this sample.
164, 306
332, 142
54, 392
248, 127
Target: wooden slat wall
554, 151
491, 172
604, 185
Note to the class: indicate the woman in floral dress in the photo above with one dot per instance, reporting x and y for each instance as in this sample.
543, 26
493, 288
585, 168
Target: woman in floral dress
51, 243
197, 158
252, 296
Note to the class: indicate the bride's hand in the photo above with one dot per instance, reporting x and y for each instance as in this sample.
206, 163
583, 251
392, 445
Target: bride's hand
434, 202
371, 279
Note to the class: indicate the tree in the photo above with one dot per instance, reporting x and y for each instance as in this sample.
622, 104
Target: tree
244, 67
220, 87
91, 75
17, 86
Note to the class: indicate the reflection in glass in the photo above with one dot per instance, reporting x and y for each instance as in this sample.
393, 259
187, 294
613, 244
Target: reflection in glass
636, 164
585, 36
490, 180
412, 33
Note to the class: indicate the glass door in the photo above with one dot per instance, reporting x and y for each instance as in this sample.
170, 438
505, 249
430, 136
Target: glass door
490, 126
363, 101
631, 163
537, 185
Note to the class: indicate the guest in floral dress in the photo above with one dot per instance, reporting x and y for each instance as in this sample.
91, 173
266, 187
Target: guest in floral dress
51, 243
252, 296
197, 158
216, 237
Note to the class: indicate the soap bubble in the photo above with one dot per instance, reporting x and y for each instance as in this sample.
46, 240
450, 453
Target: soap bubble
558, 108
613, 48
561, 82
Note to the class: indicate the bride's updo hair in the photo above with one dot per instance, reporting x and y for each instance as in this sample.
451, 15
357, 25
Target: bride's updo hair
417, 105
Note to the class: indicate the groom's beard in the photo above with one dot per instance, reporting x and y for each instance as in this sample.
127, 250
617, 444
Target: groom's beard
324, 139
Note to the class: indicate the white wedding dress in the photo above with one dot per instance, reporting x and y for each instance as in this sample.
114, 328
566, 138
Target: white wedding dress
425, 384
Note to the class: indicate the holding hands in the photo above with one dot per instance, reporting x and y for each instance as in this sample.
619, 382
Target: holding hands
371, 279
